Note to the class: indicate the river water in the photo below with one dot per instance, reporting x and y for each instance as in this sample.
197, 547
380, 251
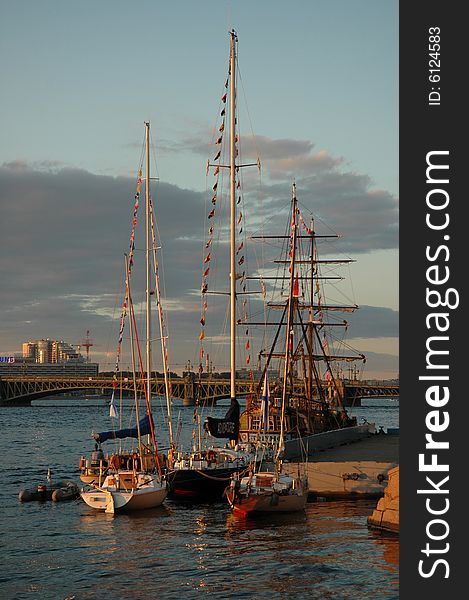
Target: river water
68, 551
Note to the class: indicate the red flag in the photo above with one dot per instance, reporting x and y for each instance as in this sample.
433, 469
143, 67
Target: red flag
208, 257
295, 287
206, 271
211, 214
214, 199
223, 98
217, 170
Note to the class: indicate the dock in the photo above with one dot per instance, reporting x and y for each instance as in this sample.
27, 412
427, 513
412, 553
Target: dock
358, 469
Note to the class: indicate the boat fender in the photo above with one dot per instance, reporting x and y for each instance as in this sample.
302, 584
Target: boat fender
25, 496
82, 463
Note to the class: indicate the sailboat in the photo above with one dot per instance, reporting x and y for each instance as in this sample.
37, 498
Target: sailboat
205, 471
307, 404
265, 488
132, 480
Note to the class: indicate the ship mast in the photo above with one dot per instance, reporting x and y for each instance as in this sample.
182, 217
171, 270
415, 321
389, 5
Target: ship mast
147, 255
233, 40
289, 331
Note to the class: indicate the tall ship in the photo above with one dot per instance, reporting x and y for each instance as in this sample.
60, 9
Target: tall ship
307, 352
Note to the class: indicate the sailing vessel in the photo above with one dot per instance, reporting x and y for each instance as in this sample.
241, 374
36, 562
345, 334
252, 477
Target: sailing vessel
205, 471
265, 488
307, 398
132, 479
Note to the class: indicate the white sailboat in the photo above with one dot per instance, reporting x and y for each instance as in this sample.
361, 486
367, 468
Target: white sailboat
132, 480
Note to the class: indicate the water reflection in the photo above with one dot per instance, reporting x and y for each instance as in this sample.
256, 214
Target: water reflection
175, 550
236, 522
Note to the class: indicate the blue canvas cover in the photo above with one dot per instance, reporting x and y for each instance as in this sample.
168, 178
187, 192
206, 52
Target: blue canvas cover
145, 428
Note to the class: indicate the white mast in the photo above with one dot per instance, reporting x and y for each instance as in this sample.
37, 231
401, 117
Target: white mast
232, 214
163, 336
147, 255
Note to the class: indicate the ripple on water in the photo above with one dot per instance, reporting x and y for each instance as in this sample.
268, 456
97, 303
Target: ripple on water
66, 550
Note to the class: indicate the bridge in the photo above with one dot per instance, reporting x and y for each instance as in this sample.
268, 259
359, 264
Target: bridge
20, 391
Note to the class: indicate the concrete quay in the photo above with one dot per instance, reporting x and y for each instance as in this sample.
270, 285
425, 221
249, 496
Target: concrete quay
359, 469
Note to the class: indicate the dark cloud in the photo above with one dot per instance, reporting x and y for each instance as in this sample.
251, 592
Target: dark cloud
374, 322
348, 201
64, 233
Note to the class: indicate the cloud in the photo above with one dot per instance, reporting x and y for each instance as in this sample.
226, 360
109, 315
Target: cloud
374, 322
64, 232
349, 201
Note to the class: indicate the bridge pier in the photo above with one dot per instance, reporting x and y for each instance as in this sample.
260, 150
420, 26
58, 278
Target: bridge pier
190, 390
350, 397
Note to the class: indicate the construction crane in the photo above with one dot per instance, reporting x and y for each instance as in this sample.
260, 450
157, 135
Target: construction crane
87, 343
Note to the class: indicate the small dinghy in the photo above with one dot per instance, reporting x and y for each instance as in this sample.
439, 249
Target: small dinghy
57, 492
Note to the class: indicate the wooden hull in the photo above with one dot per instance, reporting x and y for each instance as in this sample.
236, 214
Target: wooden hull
267, 492
146, 492
267, 502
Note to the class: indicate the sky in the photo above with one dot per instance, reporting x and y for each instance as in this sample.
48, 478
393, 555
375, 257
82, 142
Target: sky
318, 102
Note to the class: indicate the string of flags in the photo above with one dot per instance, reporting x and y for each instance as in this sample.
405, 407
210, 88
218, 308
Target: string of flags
112, 409
208, 244
128, 274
